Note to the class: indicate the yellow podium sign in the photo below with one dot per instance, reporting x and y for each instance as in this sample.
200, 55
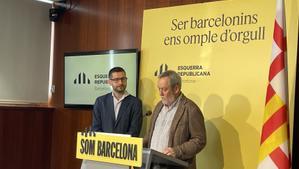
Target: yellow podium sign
110, 148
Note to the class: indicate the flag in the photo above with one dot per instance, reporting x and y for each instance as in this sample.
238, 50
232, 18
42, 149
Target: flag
274, 146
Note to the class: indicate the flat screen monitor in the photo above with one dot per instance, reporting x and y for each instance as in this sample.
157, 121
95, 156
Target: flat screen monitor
86, 75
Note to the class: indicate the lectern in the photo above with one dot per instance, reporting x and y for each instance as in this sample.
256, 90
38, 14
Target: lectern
151, 158
108, 151
114, 151
89, 164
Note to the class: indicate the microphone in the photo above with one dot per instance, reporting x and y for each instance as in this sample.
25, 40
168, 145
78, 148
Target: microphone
148, 113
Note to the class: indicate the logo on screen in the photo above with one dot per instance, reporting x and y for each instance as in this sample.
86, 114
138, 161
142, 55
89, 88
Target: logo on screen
163, 68
82, 79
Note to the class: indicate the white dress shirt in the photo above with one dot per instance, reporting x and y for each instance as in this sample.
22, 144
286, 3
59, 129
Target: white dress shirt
117, 103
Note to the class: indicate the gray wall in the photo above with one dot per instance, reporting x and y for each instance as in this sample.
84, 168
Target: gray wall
24, 50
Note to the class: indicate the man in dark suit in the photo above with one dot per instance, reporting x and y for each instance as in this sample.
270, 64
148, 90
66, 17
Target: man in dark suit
177, 124
118, 111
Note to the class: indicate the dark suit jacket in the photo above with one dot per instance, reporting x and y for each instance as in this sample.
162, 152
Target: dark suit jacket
187, 135
129, 118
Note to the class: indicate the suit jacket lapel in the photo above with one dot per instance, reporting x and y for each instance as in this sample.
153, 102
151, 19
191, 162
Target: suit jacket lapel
178, 114
110, 107
121, 111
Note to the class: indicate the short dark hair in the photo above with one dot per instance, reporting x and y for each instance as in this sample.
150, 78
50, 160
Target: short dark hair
115, 69
174, 78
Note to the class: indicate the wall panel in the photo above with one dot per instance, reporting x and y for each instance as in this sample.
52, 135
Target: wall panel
25, 134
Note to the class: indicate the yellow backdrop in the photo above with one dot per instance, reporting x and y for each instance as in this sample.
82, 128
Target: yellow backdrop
222, 51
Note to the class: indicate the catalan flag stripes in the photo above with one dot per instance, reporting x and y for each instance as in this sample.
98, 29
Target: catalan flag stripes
274, 148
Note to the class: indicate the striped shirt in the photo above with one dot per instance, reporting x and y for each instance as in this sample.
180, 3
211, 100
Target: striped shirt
162, 126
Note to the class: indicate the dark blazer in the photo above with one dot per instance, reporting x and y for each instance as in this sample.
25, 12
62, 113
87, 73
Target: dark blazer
129, 118
187, 135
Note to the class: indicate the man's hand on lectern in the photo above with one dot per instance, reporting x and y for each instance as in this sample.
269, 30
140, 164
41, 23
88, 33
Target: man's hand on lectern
169, 151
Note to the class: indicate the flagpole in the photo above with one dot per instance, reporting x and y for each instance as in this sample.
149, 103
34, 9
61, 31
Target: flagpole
295, 157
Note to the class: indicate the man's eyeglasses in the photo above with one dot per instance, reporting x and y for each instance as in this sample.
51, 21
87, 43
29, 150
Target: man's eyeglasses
119, 79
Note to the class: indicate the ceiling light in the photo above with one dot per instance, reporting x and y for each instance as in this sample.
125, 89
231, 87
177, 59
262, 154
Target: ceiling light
46, 1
